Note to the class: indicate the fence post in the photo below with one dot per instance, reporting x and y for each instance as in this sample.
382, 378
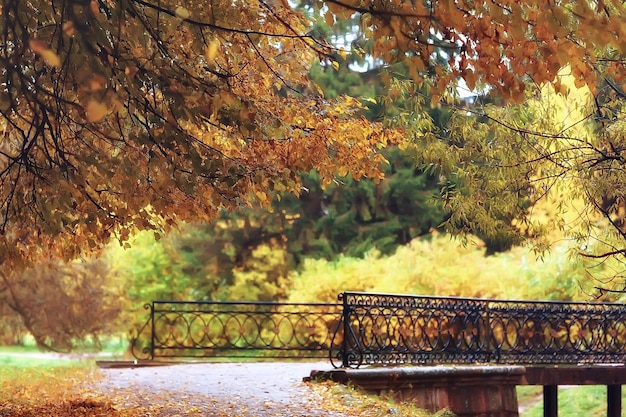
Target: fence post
492, 343
152, 330
614, 400
345, 314
550, 401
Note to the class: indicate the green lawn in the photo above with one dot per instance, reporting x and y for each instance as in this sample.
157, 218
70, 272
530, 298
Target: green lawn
579, 401
10, 361
19, 349
30, 356
16, 361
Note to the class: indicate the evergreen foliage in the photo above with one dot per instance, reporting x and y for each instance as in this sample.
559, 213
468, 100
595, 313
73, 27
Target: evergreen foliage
257, 247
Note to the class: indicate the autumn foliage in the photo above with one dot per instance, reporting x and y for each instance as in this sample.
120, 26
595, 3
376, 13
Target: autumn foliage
59, 304
503, 44
125, 114
75, 408
119, 115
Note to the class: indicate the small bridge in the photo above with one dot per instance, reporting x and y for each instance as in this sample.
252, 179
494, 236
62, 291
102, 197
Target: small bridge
385, 329
489, 346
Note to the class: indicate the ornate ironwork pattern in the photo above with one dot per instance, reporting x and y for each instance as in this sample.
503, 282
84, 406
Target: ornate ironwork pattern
403, 329
238, 330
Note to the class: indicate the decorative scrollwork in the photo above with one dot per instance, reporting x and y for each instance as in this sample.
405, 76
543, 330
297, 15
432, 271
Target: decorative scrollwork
404, 329
389, 329
141, 344
246, 329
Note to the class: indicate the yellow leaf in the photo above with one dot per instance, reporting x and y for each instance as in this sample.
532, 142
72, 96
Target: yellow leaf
335, 65
561, 15
95, 111
51, 58
48, 55
339, 10
261, 195
229, 98
211, 52
182, 13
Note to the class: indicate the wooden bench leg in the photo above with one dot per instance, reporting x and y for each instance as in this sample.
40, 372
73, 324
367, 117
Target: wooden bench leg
550, 401
614, 400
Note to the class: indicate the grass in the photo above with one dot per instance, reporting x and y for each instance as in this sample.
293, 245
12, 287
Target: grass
13, 358
577, 401
9, 361
35, 383
45, 384
28, 354
27, 383
353, 401
528, 396
26, 365
27, 348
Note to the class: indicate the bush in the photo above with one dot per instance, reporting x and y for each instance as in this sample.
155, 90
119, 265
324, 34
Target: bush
442, 265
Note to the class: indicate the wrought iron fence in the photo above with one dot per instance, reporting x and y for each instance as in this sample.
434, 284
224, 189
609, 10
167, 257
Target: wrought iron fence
388, 329
399, 329
184, 329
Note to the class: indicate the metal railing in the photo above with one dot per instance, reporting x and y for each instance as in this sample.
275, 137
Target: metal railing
405, 329
388, 329
204, 329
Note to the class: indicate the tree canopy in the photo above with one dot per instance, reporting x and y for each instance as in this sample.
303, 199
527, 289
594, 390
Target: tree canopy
124, 114
118, 115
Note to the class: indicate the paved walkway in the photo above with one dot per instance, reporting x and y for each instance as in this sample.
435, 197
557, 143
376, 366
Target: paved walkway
236, 389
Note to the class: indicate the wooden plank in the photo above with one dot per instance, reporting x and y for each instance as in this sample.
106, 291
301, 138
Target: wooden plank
468, 391
574, 375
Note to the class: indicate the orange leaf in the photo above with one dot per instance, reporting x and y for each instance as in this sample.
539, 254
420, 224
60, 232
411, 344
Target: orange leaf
95, 111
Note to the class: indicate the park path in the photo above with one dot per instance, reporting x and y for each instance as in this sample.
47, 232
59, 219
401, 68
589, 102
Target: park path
219, 389
268, 389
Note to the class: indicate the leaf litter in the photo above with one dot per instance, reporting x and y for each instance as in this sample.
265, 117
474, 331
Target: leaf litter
81, 393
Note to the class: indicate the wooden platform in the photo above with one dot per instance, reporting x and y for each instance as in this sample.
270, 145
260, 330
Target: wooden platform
574, 375
468, 391
481, 390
